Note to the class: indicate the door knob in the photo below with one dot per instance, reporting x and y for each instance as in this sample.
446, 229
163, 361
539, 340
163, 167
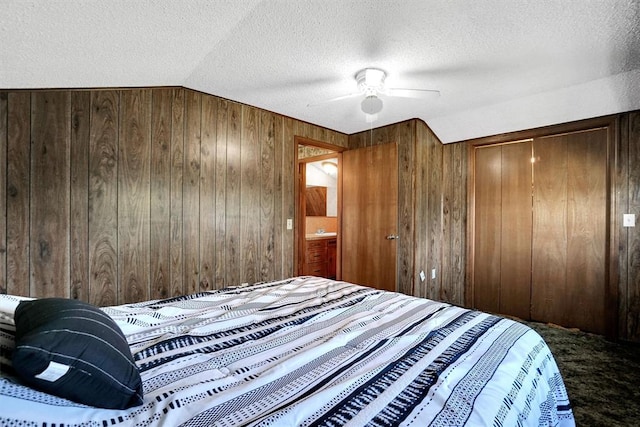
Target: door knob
392, 237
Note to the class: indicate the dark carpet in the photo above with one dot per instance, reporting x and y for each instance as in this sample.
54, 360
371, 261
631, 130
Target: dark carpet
602, 377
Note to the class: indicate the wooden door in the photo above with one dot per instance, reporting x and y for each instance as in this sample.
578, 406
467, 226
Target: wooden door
502, 244
540, 229
569, 278
370, 216
487, 228
515, 246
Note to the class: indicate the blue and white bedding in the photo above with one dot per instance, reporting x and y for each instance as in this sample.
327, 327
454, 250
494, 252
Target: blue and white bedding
308, 351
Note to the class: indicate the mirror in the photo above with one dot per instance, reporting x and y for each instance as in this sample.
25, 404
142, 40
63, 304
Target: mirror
322, 188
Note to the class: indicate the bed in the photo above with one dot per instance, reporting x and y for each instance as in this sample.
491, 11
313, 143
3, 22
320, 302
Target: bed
308, 351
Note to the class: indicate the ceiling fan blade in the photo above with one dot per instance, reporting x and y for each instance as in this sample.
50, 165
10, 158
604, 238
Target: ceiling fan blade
337, 98
413, 93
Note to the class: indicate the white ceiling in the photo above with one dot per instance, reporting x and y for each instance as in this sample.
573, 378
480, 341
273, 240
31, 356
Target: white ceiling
500, 65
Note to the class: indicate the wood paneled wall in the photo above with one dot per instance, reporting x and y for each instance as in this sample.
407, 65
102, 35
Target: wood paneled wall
627, 199
433, 190
450, 284
432, 202
404, 135
114, 196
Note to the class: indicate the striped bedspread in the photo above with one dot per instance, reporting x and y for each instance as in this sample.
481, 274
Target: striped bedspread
315, 352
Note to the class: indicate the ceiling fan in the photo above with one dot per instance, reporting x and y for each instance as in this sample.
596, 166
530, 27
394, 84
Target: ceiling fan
370, 83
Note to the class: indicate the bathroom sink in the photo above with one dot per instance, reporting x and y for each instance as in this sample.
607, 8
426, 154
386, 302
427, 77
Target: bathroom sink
321, 235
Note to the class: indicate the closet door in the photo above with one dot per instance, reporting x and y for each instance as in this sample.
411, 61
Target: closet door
515, 277
487, 228
569, 230
502, 229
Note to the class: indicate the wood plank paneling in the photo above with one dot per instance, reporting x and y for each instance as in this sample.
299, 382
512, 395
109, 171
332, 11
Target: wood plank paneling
621, 206
288, 200
191, 192
279, 223
208, 193
267, 196
307, 130
79, 195
454, 212
404, 134
433, 188
168, 191
49, 214
233, 188
250, 196
440, 217
100, 173
3, 191
221, 195
421, 229
103, 198
160, 194
134, 155
447, 269
18, 192
176, 214
459, 211
631, 292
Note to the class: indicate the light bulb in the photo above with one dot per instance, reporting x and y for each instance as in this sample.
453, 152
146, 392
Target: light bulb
371, 104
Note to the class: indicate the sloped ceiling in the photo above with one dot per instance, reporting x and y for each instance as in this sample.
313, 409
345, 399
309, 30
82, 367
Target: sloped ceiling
500, 65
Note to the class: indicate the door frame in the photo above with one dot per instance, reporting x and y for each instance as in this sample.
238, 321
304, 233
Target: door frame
611, 123
300, 214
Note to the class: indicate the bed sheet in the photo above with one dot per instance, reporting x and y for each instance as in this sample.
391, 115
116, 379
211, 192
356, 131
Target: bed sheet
309, 351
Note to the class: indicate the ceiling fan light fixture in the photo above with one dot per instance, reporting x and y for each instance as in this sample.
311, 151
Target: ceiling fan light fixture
374, 77
329, 167
370, 80
371, 105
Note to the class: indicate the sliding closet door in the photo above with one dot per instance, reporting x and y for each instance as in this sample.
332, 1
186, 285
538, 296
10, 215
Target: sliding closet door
502, 243
488, 220
515, 298
569, 230
540, 229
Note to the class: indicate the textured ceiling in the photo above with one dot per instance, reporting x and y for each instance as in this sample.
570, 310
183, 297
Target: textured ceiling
500, 65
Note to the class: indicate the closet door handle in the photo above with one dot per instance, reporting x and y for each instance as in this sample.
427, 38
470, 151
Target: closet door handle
392, 237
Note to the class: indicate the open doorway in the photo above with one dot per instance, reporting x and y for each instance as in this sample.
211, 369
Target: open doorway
318, 209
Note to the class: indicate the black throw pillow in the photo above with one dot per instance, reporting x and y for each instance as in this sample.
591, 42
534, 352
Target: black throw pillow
74, 350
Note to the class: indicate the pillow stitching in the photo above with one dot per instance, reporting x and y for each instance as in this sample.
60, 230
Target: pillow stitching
91, 319
80, 307
70, 331
97, 312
